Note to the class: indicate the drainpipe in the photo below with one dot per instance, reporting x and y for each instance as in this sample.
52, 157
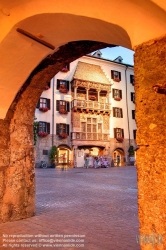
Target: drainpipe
53, 112
127, 105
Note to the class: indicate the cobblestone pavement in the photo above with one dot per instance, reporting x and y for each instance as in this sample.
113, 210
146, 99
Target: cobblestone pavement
97, 206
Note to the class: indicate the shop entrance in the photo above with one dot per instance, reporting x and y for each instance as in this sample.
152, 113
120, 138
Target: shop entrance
119, 157
63, 157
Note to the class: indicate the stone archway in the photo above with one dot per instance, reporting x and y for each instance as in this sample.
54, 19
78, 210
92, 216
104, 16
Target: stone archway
118, 156
16, 141
16, 145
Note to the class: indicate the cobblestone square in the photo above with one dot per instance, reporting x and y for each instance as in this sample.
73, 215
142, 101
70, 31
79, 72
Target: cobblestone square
96, 207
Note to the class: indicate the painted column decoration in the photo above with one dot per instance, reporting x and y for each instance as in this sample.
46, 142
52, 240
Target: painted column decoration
87, 93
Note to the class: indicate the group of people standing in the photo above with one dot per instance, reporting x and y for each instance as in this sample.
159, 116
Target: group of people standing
96, 162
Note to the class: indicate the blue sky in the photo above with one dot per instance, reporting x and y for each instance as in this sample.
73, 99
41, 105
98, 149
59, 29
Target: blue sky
112, 53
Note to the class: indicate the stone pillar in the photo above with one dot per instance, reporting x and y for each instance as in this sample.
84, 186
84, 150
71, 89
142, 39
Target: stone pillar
17, 186
150, 88
75, 93
98, 95
87, 92
75, 156
107, 96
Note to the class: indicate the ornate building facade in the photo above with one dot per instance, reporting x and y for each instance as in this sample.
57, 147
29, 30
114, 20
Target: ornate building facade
88, 108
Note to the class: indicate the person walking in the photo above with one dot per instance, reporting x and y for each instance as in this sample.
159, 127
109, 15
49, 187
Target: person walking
86, 161
118, 160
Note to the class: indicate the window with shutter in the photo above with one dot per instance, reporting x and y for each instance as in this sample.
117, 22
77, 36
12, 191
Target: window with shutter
119, 134
43, 104
43, 128
117, 94
117, 112
62, 106
116, 75
62, 86
62, 129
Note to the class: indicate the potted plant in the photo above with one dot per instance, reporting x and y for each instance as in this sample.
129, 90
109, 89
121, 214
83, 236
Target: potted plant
63, 90
46, 87
53, 156
63, 135
42, 134
62, 111
117, 98
64, 70
116, 79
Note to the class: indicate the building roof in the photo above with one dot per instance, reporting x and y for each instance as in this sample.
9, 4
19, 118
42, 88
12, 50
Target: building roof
90, 72
112, 61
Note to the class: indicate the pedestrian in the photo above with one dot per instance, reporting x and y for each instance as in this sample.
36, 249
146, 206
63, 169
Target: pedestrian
86, 161
118, 160
91, 161
96, 160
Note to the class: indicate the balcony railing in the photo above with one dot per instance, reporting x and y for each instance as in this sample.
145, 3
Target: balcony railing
90, 105
90, 136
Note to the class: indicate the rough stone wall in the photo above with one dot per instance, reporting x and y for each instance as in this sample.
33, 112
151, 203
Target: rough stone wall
46, 144
17, 177
150, 86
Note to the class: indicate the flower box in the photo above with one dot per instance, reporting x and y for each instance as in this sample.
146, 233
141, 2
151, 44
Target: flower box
64, 70
116, 80
120, 139
117, 98
43, 109
63, 90
63, 135
63, 112
46, 87
42, 134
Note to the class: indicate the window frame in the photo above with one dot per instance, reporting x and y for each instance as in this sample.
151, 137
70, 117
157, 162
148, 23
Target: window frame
116, 111
117, 131
65, 130
46, 127
113, 76
62, 105
61, 82
117, 94
48, 104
